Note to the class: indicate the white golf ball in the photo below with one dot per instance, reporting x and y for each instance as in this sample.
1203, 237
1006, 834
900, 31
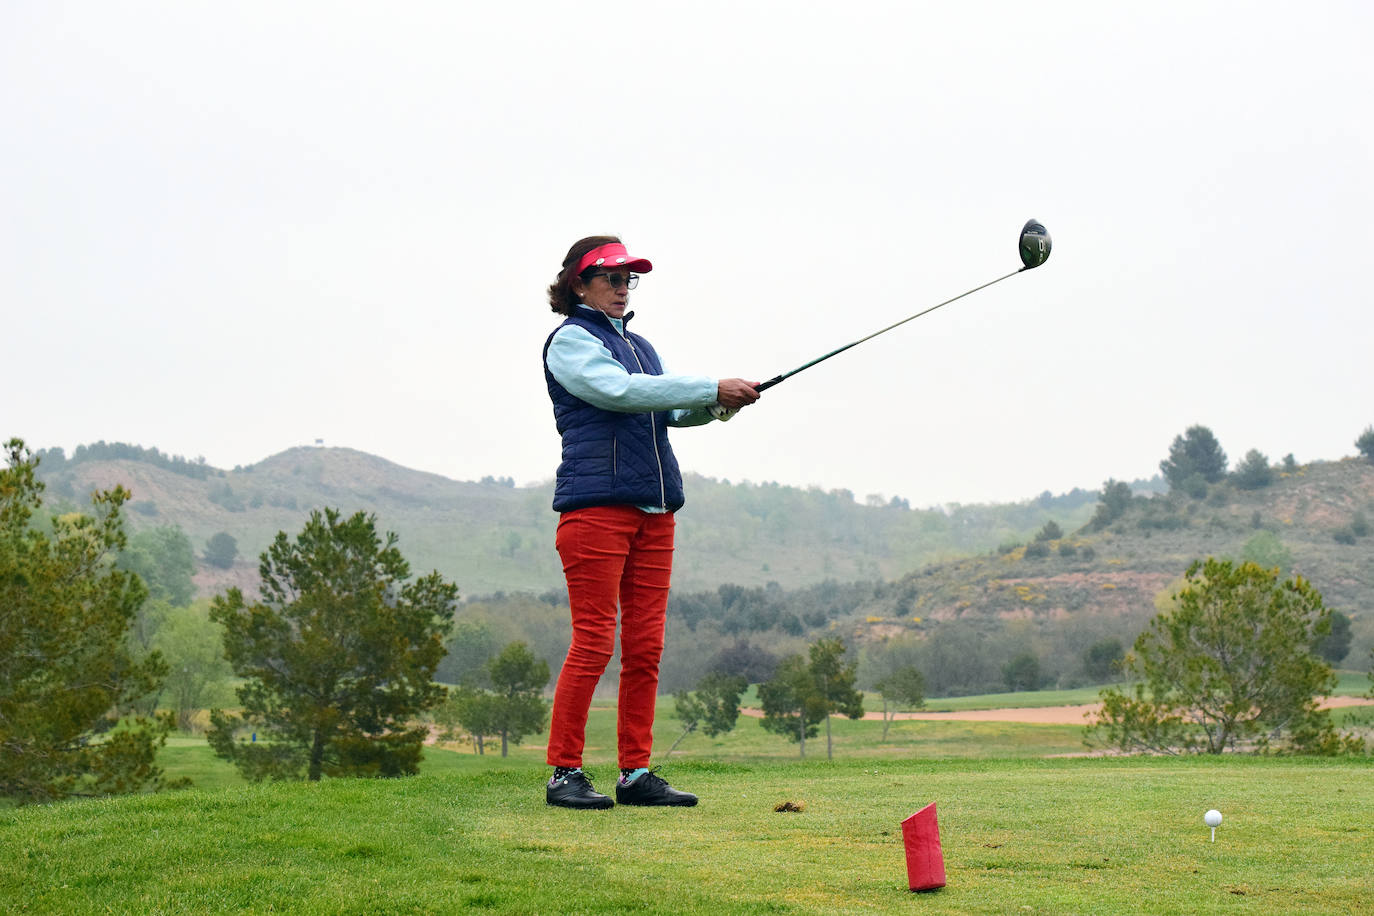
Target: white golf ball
1212, 818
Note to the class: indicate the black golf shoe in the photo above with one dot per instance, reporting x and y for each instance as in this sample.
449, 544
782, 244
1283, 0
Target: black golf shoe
575, 791
652, 789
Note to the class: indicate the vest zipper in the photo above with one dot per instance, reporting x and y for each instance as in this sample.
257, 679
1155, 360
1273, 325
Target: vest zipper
653, 435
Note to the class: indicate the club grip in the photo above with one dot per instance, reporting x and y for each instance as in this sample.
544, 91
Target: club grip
769, 384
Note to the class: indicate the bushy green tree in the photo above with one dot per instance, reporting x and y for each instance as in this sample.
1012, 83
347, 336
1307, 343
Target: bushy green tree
1050, 532
902, 689
1102, 660
1022, 672
518, 680
471, 709
198, 674
1196, 452
164, 559
1253, 472
1229, 665
714, 708
957, 660
835, 677
753, 663
337, 657
1335, 645
793, 705
804, 692
1115, 500
512, 708
1265, 549
1365, 442
221, 550
471, 645
67, 677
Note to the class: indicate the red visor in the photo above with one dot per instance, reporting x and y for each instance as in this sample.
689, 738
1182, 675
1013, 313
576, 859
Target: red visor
612, 256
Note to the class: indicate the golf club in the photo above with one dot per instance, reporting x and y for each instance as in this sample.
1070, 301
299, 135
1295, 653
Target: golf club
1034, 245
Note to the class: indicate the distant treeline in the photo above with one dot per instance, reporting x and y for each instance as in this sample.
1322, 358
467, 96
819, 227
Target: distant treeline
736, 610
55, 459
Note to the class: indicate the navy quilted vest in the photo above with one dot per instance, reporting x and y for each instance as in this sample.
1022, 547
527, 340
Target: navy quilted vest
612, 458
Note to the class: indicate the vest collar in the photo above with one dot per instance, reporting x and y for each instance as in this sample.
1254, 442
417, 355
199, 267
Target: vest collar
619, 324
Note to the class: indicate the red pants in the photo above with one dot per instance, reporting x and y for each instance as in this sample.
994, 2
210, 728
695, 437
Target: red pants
612, 555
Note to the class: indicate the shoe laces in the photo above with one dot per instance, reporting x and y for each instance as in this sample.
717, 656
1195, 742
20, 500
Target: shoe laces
653, 777
573, 778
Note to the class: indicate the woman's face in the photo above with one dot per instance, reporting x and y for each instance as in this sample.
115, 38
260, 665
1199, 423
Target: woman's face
601, 294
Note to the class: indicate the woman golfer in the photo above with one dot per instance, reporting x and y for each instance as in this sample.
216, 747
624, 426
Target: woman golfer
617, 489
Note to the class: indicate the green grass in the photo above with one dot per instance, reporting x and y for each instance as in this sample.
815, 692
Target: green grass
1020, 700
190, 757
1022, 832
1060, 836
1352, 683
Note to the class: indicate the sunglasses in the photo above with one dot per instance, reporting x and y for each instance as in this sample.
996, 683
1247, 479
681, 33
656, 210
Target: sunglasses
617, 280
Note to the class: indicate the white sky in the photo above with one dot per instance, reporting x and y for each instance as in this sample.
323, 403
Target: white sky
231, 228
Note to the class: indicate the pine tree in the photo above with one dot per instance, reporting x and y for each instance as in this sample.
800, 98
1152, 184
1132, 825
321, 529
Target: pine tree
1195, 454
67, 678
337, 657
1229, 666
518, 680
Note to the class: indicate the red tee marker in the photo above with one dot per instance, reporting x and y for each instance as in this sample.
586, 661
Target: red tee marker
925, 862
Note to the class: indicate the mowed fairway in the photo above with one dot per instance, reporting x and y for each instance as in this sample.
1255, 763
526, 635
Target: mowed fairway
1021, 834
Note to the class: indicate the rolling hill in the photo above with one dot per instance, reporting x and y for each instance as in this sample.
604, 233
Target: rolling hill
773, 565
492, 536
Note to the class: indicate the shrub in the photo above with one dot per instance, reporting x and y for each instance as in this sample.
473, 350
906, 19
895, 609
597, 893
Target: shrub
1226, 666
1022, 673
1196, 453
1253, 472
1365, 443
221, 550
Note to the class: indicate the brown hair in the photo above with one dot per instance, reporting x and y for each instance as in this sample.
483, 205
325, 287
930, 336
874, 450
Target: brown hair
562, 299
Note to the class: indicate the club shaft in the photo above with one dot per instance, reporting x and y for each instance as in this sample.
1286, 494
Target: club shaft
820, 359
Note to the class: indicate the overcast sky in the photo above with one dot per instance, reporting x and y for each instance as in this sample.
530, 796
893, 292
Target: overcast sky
227, 229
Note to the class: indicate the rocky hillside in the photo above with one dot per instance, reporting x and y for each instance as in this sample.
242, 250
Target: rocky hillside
1313, 521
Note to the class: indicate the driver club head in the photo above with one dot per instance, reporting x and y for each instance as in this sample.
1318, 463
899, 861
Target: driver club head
1035, 244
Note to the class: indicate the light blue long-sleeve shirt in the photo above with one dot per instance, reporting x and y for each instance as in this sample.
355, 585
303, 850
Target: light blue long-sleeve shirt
579, 362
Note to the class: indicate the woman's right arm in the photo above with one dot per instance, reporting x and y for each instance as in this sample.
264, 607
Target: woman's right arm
582, 364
